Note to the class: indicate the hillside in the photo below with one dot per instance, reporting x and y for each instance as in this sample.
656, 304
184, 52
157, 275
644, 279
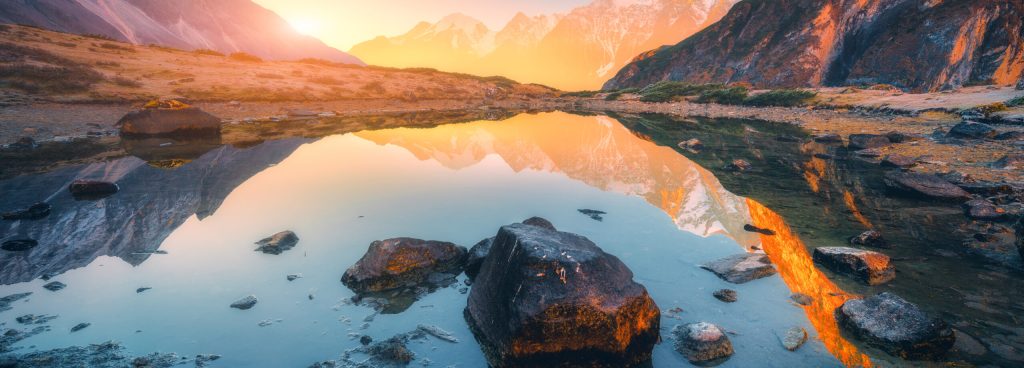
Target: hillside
917, 45
39, 65
223, 25
573, 51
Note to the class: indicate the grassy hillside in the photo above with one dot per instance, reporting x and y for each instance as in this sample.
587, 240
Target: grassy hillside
41, 65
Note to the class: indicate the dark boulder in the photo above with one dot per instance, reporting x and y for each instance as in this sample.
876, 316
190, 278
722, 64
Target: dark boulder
1013, 161
870, 267
702, 343
870, 238
34, 212
982, 209
867, 141
277, 243
828, 138
1013, 135
245, 303
92, 189
593, 214
972, 130
403, 262
896, 326
479, 251
755, 229
169, 118
24, 144
547, 298
926, 185
19, 245
899, 161
741, 268
725, 295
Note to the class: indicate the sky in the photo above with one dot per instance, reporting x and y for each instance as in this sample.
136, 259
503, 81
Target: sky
344, 23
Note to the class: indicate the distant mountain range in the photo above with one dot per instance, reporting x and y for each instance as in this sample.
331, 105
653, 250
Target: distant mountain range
223, 25
577, 50
918, 45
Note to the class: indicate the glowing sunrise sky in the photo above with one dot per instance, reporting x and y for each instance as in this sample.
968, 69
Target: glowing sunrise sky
344, 23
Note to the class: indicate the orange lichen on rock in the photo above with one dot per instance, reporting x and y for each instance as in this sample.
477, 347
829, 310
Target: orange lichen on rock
798, 271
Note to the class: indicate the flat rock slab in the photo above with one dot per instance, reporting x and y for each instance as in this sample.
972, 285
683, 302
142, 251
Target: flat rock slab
896, 326
924, 185
741, 268
872, 268
702, 343
277, 243
403, 262
545, 298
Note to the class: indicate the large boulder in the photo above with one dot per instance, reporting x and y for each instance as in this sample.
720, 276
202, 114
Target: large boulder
896, 326
702, 343
741, 268
401, 263
866, 141
972, 130
169, 117
924, 185
481, 249
546, 298
870, 267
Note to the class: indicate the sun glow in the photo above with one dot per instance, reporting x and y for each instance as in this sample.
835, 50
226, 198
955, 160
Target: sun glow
305, 26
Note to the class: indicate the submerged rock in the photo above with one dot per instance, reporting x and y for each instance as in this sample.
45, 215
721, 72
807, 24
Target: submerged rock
896, 326
277, 243
170, 117
5, 302
972, 130
755, 229
593, 214
870, 267
725, 295
142, 289
693, 145
867, 141
293, 277
551, 298
92, 189
926, 185
34, 212
702, 343
245, 303
739, 165
793, 338
105, 355
741, 268
982, 209
18, 245
870, 238
403, 262
54, 286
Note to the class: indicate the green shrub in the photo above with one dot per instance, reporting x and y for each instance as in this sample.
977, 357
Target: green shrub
724, 96
782, 97
584, 94
245, 57
666, 91
613, 96
52, 79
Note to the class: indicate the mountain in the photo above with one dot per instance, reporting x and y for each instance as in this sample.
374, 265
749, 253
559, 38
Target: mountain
917, 45
577, 50
223, 25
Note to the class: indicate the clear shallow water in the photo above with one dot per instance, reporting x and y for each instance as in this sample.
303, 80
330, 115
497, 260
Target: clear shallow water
458, 183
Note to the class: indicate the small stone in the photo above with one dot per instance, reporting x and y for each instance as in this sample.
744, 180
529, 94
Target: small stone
702, 343
293, 277
539, 222
277, 243
801, 298
739, 165
141, 289
593, 214
54, 286
80, 326
741, 268
870, 238
245, 303
725, 295
692, 145
870, 267
793, 338
365, 340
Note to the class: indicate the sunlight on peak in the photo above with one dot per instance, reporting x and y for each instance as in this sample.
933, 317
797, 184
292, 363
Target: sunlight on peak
305, 26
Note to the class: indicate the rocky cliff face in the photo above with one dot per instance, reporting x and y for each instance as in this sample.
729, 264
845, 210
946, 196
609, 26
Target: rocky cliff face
222, 25
919, 45
578, 50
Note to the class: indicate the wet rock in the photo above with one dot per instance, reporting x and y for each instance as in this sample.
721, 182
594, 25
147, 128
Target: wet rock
534, 278
725, 295
593, 214
925, 185
1018, 229
169, 118
245, 303
1013, 135
202, 359
870, 238
80, 326
105, 355
966, 344
899, 161
793, 338
828, 138
692, 145
755, 229
277, 243
1012, 161
870, 267
540, 222
801, 298
34, 212
702, 343
54, 286
5, 302
476, 257
866, 141
391, 351
972, 130
403, 262
741, 268
92, 189
896, 326
18, 245
739, 165
982, 209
